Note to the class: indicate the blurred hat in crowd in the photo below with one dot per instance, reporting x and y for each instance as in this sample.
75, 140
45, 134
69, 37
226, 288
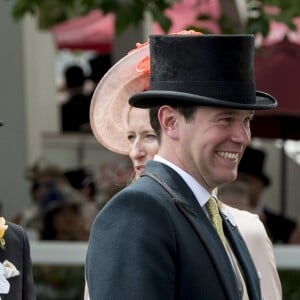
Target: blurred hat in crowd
58, 196
252, 163
79, 178
74, 76
99, 65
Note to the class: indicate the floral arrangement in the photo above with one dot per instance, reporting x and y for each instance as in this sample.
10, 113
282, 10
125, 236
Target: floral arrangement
3, 228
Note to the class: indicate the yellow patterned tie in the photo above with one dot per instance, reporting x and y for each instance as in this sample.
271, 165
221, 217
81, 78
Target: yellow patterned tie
215, 218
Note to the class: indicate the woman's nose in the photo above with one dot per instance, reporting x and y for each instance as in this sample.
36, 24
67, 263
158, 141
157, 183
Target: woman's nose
138, 150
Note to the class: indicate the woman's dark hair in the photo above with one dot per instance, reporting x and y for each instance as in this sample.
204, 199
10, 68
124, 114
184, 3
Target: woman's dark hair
187, 111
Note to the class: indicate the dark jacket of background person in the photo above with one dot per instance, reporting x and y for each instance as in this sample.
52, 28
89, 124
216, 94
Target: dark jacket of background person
17, 251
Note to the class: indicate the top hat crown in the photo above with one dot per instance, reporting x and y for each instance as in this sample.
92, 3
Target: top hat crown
213, 70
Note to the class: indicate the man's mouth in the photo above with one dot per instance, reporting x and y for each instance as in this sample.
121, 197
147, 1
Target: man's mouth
233, 156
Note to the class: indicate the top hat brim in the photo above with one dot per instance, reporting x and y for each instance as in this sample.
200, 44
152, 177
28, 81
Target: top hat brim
153, 98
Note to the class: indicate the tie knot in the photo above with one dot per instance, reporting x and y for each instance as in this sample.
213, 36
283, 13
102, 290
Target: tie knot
215, 218
212, 207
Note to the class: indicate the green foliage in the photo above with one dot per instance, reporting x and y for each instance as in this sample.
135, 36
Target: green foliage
261, 25
131, 12
48, 12
288, 9
58, 282
128, 12
290, 284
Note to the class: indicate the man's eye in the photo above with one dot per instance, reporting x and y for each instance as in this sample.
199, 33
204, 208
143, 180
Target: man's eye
248, 120
226, 119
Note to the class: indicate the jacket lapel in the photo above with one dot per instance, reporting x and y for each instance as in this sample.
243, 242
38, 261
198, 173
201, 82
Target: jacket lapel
244, 258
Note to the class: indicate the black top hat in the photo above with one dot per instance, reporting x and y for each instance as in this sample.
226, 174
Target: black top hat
213, 70
252, 163
1, 123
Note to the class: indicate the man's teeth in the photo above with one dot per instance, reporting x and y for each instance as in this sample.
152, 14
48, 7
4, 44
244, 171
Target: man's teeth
228, 155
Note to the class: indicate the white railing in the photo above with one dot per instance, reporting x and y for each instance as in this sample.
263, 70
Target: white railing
287, 257
58, 253
73, 253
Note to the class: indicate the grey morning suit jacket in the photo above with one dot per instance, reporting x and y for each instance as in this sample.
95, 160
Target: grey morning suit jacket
17, 251
146, 244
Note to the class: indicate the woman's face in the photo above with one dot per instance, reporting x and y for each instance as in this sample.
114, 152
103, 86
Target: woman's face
142, 139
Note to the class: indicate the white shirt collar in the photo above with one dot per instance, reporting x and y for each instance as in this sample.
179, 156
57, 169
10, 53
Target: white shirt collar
201, 194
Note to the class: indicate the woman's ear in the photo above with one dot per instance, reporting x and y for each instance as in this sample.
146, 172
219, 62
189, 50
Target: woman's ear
168, 119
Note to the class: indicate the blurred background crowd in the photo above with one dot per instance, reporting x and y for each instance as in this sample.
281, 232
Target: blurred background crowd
64, 199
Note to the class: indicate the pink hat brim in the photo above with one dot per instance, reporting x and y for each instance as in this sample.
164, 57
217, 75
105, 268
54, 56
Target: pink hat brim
109, 106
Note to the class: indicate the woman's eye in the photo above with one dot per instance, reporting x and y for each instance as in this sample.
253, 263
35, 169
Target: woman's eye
151, 136
131, 138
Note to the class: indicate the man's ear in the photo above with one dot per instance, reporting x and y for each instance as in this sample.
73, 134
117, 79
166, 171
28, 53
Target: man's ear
168, 119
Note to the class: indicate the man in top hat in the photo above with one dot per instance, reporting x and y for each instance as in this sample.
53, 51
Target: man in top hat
251, 170
74, 112
162, 237
16, 279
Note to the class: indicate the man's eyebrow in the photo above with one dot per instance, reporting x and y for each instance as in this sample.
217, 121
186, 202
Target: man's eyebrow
228, 111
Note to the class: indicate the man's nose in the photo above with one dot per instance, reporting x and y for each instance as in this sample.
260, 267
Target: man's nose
242, 134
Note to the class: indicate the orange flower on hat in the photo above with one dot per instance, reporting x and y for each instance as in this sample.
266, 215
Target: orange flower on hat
3, 228
144, 65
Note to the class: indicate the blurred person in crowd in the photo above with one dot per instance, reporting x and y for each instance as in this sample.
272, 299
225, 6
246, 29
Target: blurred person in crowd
16, 279
99, 65
61, 221
39, 176
142, 145
61, 215
83, 181
75, 110
280, 229
235, 194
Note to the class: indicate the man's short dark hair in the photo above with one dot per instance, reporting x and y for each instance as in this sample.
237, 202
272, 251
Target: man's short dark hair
188, 112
